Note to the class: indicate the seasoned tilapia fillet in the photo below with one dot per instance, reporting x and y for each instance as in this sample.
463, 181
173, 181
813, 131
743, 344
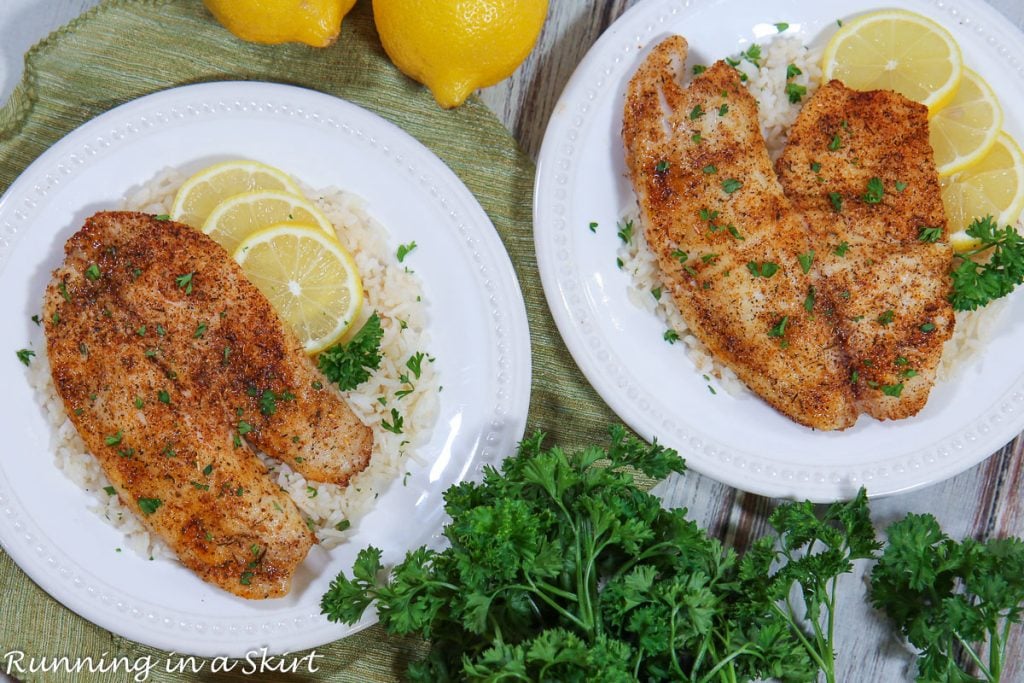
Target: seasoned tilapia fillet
859, 166
170, 363
728, 241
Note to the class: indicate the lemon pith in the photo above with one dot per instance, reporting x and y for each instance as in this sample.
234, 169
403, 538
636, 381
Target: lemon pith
313, 22
455, 47
896, 50
311, 280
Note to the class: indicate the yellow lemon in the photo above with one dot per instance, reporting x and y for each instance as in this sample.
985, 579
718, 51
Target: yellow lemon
994, 186
458, 46
896, 50
311, 280
313, 22
965, 130
200, 194
239, 216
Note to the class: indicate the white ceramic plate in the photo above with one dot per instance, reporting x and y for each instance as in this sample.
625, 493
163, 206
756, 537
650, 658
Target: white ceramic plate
477, 328
653, 386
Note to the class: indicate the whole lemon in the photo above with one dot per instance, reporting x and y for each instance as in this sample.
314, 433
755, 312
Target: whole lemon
456, 46
313, 22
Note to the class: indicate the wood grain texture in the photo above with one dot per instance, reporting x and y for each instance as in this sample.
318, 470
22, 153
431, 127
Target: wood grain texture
983, 502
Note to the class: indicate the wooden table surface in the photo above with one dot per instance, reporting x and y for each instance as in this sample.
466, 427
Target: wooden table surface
982, 502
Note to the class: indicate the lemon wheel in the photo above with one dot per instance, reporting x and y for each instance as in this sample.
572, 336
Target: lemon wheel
994, 186
896, 50
201, 193
239, 216
965, 130
310, 280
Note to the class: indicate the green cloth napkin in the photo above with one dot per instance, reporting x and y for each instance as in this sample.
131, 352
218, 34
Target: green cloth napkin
124, 49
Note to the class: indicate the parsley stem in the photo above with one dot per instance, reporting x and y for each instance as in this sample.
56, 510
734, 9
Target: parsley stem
974, 657
543, 596
745, 649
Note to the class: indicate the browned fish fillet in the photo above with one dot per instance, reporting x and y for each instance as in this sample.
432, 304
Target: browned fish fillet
716, 217
169, 361
860, 168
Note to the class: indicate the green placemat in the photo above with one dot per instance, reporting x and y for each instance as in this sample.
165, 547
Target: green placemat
124, 49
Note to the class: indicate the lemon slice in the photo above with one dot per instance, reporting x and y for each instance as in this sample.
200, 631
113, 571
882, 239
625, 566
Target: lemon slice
237, 217
896, 50
965, 130
310, 280
198, 195
994, 186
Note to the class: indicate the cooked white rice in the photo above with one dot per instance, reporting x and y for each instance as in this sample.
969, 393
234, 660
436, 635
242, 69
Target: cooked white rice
767, 83
393, 291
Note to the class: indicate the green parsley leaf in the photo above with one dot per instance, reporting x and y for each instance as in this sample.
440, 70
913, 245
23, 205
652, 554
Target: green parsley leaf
900, 186
836, 200
696, 112
764, 269
835, 143
110, 490
795, 92
25, 356
698, 69
809, 299
710, 168
779, 329
395, 426
875, 191
625, 231
792, 71
149, 505
671, 336
405, 249
841, 249
886, 317
349, 364
93, 272
730, 185
927, 234
114, 439
806, 260
976, 284
185, 282
781, 26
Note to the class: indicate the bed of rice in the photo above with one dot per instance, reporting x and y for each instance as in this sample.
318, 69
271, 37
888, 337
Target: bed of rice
393, 291
767, 83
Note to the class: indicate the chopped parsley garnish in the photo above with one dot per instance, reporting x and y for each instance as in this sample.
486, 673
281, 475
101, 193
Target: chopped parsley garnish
854, 377
244, 427
246, 578
163, 396
908, 373
671, 336
886, 317
723, 110
900, 186
841, 250
141, 331
734, 232
185, 282
149, 505
656, 293
696, 137
795, 92
781, 26
680, 256
927, 327
816, 167
25, 356
806, 260
711, 168
162, 217
404, 249
200, 330
874, 192
349, 364
63, 289
927, 234
395, 426
415, 363
593, 226
696, 112
752, 54
115, 439
625, 231
138, 402
111, 491
779, 330
730, 185
343, 525
892, 389
268, 401
201, 487
37, 320
208, 470
809, 299
661, 166
93, 272
311, 492
698, 69
764, 269
835, 143
792, 71
708, 258
836, 200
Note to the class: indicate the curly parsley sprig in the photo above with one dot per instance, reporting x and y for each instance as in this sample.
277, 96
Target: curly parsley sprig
976, 284
349, 364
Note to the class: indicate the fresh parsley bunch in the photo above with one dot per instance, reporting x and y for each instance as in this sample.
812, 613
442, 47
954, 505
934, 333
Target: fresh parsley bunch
976, 284
948, 597
560, 568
